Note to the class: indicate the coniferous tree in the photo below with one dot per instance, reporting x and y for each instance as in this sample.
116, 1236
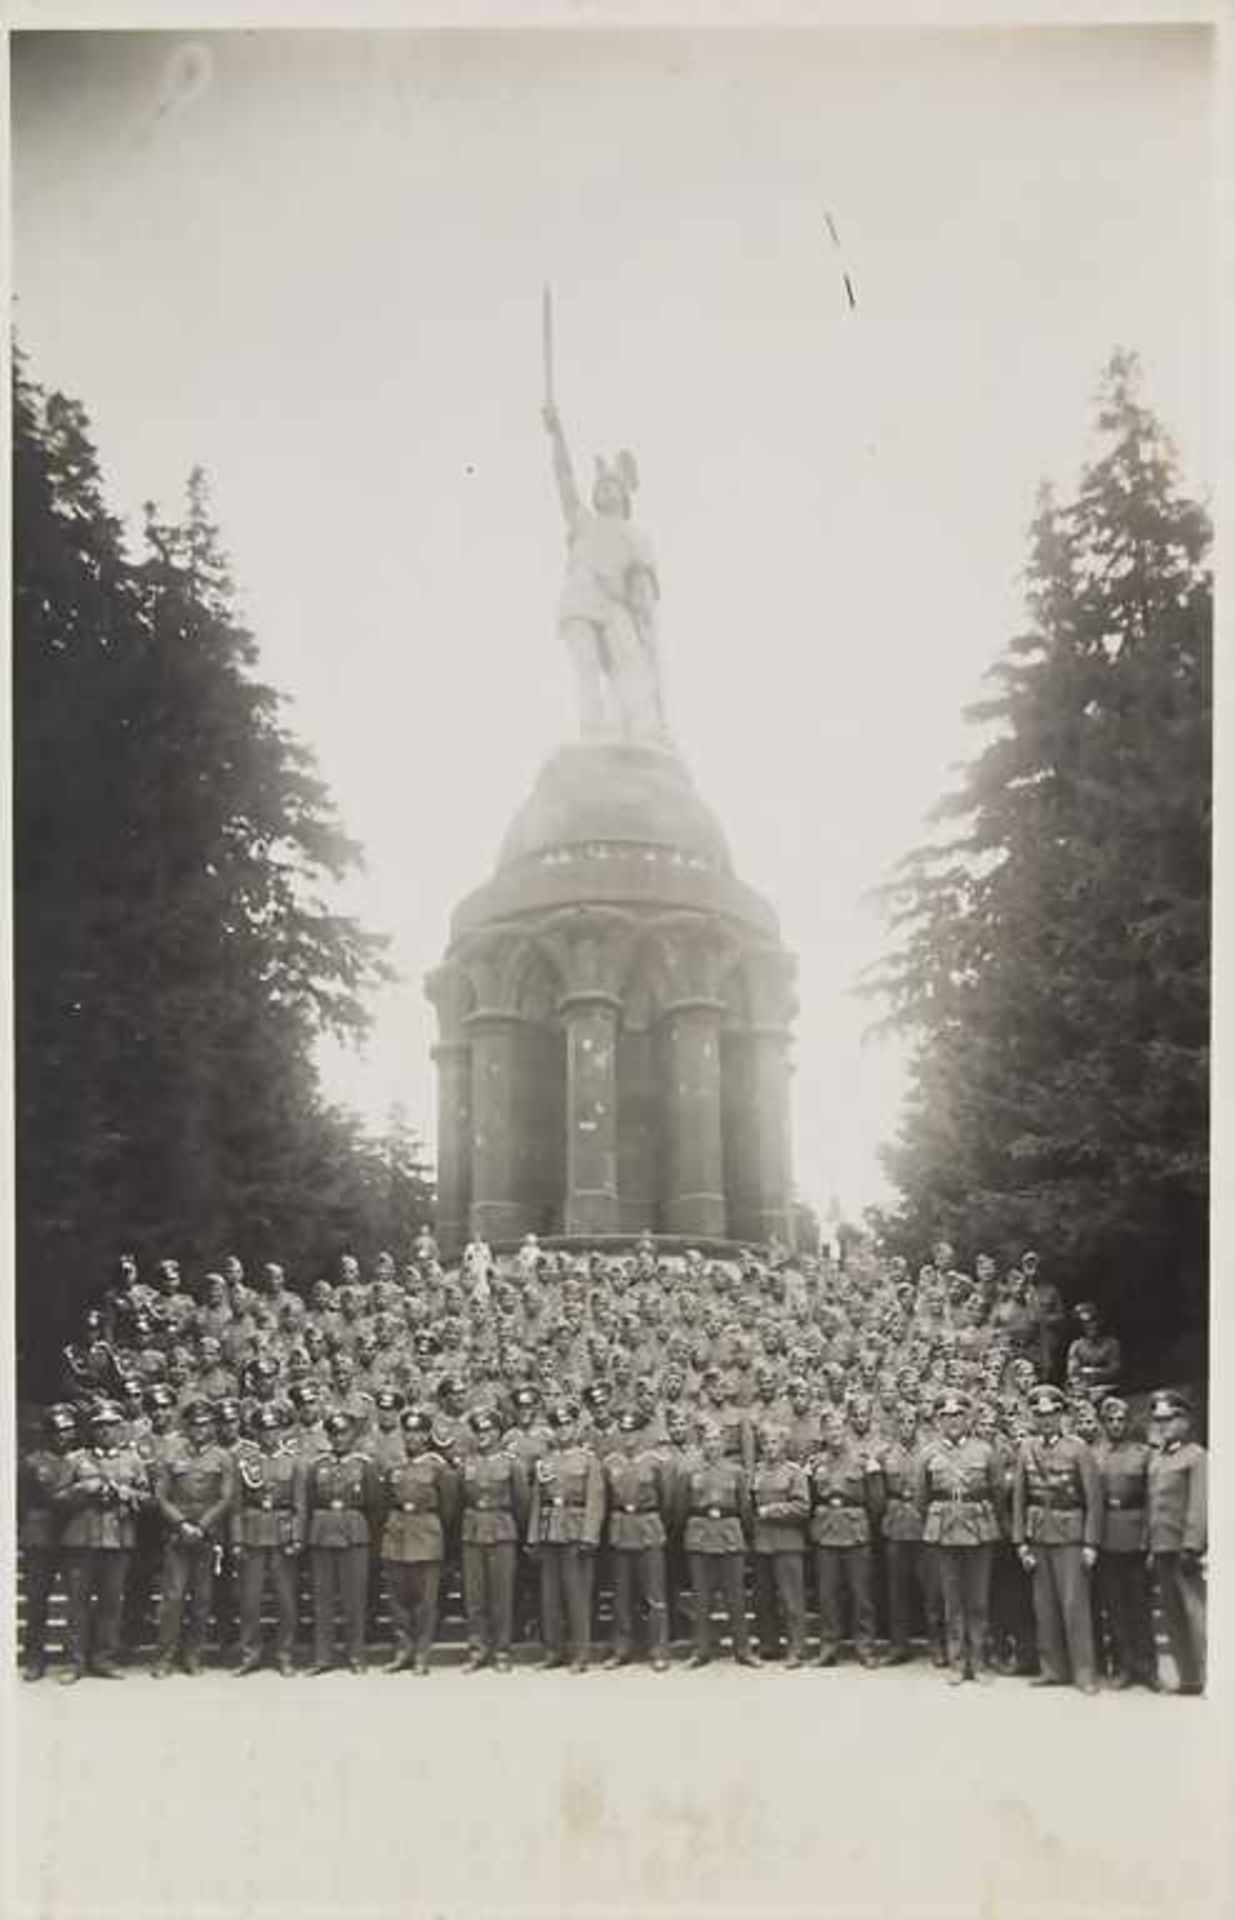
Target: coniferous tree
176, 952
1052, 942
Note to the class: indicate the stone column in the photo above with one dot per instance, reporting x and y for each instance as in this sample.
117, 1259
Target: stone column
591, 1020
695, 1199
497, 1211
774, 1203
453, 1059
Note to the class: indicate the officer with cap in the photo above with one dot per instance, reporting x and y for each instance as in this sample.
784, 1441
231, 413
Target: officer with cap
959, 1493
1177, 1529
265, 1528
1094, 1360
910, 1570
420, 1494
716, 1504
780, 1499
1122, 1587
1056, 1528
846, 1495
566, 1516
194, 1491
386, 1445
338, 1499
45, 1471
105, 1489
495, 1507
638, 1485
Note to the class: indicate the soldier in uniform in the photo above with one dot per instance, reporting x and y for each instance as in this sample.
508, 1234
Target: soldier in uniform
266, 1531
421, 1494
160, 1440
1093, 1362
1178, 1532
912, 1577
337, 1499
716, 1502
495, 1505
959, 1493
44, 1472
194, 1489
780, 1499
564, 1526
1123, 1589
638, 1485
1056, 1527
846, 1491
307, 1434
106, 1488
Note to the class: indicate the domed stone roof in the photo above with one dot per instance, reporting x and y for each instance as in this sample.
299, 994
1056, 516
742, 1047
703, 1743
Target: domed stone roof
595, 793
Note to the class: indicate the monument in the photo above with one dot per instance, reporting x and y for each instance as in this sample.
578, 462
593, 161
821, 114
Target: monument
614, 1006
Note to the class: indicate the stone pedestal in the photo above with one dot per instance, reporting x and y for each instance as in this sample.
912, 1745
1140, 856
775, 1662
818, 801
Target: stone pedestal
614, 1009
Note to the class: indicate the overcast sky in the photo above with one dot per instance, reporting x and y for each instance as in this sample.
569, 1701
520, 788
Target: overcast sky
313, 264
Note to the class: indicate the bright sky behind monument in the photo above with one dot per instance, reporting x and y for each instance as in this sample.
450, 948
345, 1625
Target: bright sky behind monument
313, 263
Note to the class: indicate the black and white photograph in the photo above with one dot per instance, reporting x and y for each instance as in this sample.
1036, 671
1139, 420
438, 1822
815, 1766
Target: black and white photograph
613, 940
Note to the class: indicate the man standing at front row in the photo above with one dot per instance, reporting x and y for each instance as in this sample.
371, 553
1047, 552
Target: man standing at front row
1056, 1528
1177, 1524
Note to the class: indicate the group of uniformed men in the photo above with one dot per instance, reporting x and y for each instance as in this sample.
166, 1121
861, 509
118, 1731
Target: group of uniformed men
667, 1422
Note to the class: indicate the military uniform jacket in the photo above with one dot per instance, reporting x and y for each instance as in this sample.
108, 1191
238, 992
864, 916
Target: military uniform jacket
43, 1474
266, 1511
842, 1498
1123, 1472
568, 1498
717, 1505
1056, 1494
1176, 1484
528, 1443
1093, 1364
195, 1485
308, 1442
780, 1496
157, 1448
638, 1485
959, 1492
337, 1496
495, 1498
386, 1450
805, 1436
102, 1494
902, 1516
420, 1496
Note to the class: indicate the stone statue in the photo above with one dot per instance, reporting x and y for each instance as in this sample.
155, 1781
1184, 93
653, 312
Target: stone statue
607, 614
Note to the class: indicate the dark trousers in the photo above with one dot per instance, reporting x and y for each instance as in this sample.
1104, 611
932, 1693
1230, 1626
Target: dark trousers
639, 1575
340, 1577
913, 1592
780, 1590
566, 1578
96, 1578
489, 1594
726, 1571
412, 1587
677, 1588
139, 1592
39, 1566
1062, 1612
1122, 1586
261, 1568
841, 1571
965, 1577
1181, 1587
1012, 1635
188, 1574
227, 1598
